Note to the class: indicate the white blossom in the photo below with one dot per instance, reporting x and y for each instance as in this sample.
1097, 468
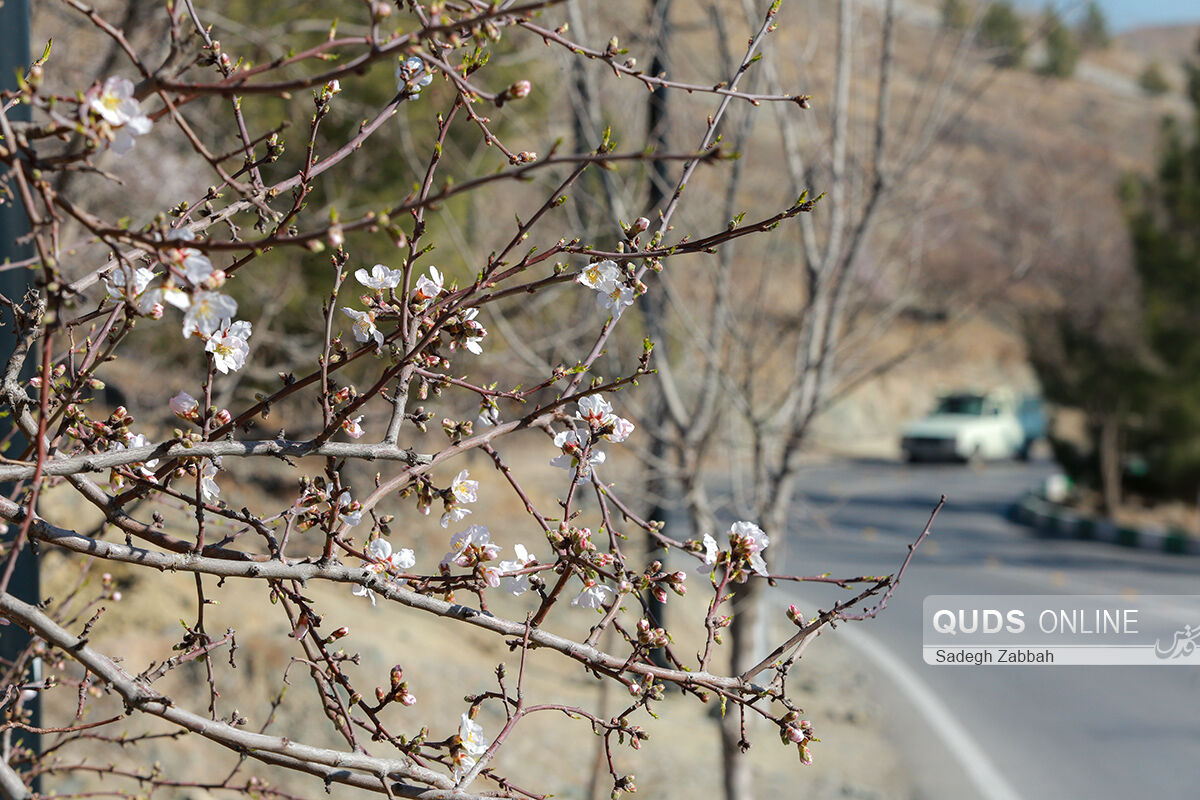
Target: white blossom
753, 541
464, 490
364, 326
412, 75
454, 514
614, 297
121, 288
380, 277
383, 560
474, 744
209, 490
471, 546
710, 553
517, 585
349, 511
594, 595
194, 265
117, 106
472, 340
594, 410
572, 447
146, 468
229, 346
429, 286
205, 314
184, 406
352, 427
621, 430
595, 274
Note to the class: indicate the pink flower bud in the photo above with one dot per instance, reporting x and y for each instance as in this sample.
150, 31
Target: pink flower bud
640, 224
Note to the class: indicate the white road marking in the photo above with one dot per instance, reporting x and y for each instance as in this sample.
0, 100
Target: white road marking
989, 782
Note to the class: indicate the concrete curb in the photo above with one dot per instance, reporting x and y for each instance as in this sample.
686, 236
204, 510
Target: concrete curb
1055, 521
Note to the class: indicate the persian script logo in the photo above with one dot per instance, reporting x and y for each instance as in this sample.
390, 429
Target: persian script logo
1182, 644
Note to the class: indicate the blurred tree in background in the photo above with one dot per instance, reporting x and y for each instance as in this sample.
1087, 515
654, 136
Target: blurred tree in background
1062, 49
1164, 220
1152, 80
1001, 29
1093, 28
955, 15
1132, 364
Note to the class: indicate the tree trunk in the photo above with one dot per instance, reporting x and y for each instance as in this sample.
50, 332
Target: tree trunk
1108, 448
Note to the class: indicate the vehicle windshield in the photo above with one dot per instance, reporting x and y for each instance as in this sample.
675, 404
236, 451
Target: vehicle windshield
961, 404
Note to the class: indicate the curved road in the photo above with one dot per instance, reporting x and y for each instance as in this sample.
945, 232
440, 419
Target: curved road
999, 732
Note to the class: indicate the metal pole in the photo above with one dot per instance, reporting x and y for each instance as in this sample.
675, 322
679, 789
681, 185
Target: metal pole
14, 224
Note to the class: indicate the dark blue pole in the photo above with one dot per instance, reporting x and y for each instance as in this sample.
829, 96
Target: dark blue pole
14, 224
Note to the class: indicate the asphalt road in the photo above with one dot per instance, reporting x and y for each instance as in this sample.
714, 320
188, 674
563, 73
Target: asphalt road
1027, 732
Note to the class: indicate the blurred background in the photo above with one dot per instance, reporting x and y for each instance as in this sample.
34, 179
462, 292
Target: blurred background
995, 298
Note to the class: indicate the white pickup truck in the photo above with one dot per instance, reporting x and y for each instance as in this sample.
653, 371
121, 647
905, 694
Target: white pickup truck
966, 427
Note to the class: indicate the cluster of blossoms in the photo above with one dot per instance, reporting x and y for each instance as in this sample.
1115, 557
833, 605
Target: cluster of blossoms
578, 455
119, 116
608, 281
208, 314
382, 560
474, 549
746, 543
462, 328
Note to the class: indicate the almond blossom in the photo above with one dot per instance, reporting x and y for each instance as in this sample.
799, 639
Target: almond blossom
614, 297
380, 277
598, 414
117, 106
462, 490
382, 561
607, 280
120, 287
473, 332
710, 553
349, 509
194, 265
229, 346
516, 585
412, 75
474, 744
470, 547
595, 274
364, 326
746, 542
572, 449
429, 286
209, 490
352, 427
750, 540
184, 406
206, 313
594, 595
